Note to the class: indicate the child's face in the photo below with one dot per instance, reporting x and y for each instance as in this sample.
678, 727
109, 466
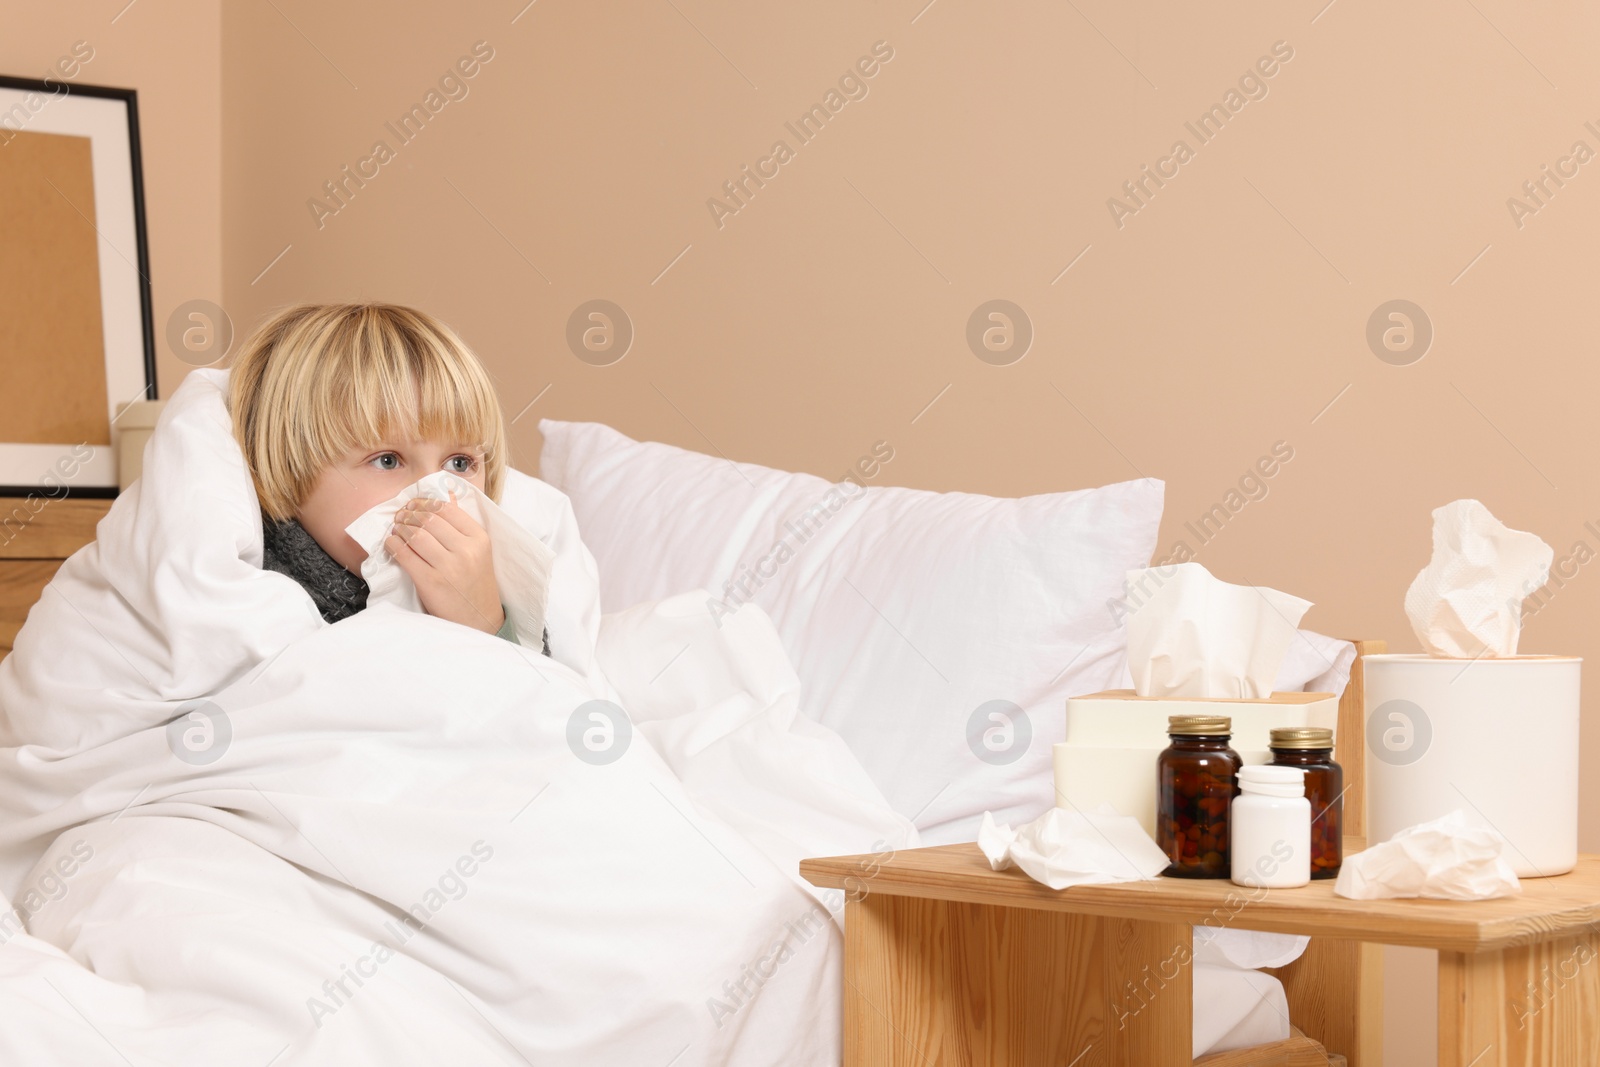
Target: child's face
365, 477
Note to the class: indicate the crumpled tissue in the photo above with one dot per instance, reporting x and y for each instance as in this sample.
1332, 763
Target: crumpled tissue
1191, 635
1455, 857
1467, 602
522, 562
1065, 847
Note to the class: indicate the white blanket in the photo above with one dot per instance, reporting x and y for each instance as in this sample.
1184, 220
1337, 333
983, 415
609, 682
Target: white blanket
235, 834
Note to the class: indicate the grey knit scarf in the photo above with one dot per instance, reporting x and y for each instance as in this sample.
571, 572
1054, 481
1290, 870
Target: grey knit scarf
288, 549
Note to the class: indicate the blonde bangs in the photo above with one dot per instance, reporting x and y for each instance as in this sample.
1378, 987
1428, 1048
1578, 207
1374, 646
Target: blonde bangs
319, 381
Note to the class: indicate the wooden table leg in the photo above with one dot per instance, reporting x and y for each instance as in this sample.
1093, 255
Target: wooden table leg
1534, 1005
931, 982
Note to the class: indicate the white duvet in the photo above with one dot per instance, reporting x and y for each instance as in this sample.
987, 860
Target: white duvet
235, 834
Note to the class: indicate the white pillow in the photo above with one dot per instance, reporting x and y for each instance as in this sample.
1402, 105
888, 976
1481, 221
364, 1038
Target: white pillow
906, 612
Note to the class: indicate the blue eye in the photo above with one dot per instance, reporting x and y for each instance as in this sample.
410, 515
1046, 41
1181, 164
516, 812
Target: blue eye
379, 459
471, 464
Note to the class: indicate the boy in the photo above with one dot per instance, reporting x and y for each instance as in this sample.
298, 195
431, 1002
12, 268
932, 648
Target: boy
338, 407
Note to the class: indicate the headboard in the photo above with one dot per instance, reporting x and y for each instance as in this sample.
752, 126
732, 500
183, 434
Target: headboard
36, 535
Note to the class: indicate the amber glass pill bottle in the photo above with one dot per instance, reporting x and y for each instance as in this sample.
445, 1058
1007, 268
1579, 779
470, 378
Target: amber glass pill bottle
1196, 781
1311, 749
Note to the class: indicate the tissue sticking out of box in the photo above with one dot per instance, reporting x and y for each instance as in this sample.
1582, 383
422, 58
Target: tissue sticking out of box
1467, 602
1191, 635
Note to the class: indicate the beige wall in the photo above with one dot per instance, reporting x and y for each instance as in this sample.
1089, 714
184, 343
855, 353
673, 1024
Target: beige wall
1221, 318
169, 51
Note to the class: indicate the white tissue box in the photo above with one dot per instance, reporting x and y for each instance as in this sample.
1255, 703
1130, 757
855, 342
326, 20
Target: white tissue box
1113, 739
1497, 736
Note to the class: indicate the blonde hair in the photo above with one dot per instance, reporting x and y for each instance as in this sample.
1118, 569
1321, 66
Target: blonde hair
317, 381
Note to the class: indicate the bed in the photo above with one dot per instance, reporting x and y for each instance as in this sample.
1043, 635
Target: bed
867, 617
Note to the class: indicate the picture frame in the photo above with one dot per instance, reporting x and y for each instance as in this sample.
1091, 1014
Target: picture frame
77, 337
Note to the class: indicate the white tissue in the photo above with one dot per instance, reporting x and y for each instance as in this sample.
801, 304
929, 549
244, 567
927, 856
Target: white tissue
522, 562
1191, 635
1235, 1005
1246, 949
1452, 858
1064, 847
1467, 602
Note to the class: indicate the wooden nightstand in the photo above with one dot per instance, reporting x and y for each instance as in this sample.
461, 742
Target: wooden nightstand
33, 544
949, 962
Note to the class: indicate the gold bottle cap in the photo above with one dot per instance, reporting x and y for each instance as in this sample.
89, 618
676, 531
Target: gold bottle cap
1200, 725
1302, 737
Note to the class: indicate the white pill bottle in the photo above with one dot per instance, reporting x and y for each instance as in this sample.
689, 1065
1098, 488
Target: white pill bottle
1270, 825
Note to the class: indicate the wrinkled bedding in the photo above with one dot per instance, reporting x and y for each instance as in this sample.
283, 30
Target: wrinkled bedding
232, 833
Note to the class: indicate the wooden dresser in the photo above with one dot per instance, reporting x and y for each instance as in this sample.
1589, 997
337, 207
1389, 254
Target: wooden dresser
32, 545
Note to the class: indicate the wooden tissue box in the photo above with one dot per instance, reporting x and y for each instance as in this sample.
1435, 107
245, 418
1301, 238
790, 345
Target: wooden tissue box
1113, 739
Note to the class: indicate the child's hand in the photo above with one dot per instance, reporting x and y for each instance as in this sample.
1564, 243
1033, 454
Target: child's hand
447, 554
